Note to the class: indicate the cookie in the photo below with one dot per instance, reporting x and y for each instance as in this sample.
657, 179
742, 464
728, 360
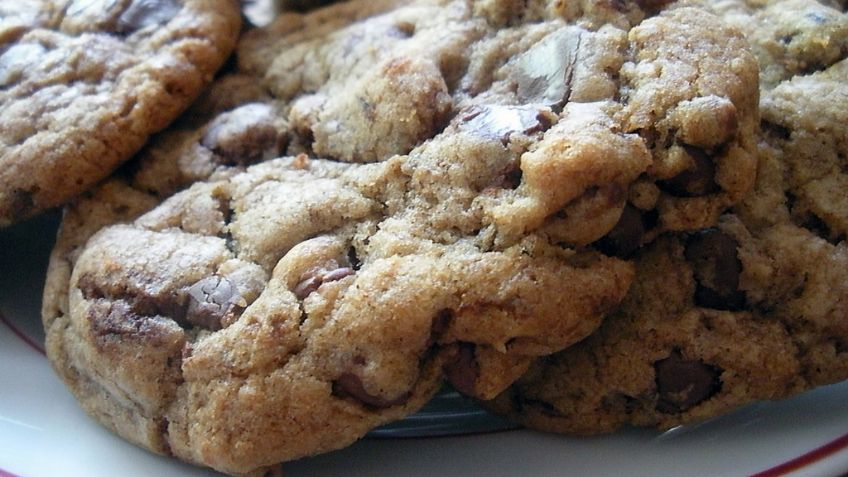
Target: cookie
288, 310
789, 38
752, 309
84, 84
462, 165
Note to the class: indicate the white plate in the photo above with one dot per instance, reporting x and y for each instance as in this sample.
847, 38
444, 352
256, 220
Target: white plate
44, 433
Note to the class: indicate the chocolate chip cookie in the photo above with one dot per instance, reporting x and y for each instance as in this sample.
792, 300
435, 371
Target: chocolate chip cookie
752, 309
452, 172
295, 306
83, 84
689, 116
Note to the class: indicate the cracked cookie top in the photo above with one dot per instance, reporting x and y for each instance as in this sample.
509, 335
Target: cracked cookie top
664, 106
752, 309
295, 306
455, 177
83, 84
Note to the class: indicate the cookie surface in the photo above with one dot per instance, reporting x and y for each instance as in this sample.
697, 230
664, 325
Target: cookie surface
84, 84
449, 170
753, 309
689, 116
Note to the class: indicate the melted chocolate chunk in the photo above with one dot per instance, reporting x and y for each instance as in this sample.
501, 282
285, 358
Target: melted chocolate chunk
717, 268
214, 302
244, 135
311, 283
498, 122
114, 322
696, 181
166, 304
307, 287
626, 237
682, 384
350, 385
546, 70
462, 371
337, 274
145, 13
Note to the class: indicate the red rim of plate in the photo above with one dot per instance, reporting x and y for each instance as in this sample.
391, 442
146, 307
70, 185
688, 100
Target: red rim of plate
31, 342
804, 460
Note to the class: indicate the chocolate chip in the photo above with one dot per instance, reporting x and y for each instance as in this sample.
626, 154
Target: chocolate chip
165, 303
498, 122
717, 268
683, 384
311, 283
214, 302
545, 72
403, 29
337, 274
244, 135
696, 181
626, 237
306, 287
119, 320
350, 385
462, 371
144, 13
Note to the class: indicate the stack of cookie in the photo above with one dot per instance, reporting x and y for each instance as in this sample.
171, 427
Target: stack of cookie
584, 214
